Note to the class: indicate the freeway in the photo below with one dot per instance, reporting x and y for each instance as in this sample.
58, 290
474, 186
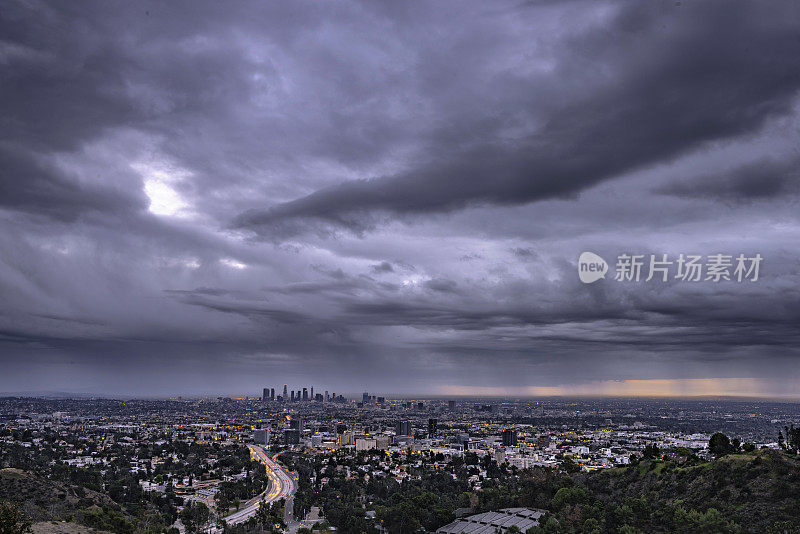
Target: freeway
281, 486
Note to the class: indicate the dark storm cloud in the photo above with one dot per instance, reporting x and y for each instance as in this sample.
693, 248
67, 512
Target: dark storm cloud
38, 187
60, 87
523, 253
382, 267
763, 179
441, 284
670, 82
469, 152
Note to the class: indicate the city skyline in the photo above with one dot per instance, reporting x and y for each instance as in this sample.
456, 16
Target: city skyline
695, 389
209, 199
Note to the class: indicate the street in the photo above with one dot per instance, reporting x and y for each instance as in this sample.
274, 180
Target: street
282, 485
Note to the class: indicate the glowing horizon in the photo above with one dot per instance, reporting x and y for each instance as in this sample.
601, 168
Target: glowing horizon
658, 387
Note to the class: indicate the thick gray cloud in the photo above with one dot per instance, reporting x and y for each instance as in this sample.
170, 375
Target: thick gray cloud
761, 179
667, 85
210, 197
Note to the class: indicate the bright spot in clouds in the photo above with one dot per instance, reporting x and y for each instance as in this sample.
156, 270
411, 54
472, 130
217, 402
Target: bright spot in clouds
158, 186
233, 263
163, 199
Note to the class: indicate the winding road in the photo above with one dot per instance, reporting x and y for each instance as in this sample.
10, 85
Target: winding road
282, 485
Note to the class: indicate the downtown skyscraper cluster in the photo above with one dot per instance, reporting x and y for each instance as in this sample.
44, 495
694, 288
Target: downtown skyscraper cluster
300, 395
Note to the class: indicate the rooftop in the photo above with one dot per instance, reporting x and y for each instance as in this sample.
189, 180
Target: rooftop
491, 522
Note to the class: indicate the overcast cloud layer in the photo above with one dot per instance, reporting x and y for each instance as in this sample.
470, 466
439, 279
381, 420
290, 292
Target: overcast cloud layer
216, 197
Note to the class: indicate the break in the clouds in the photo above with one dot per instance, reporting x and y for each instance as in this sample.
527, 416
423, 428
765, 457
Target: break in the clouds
210, 197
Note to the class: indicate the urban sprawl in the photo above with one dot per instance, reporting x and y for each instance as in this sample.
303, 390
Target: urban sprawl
294, 459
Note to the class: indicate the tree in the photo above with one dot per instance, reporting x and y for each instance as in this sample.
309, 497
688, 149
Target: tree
569, 496
12, 520
547, 526
194, 515
263, 515
570, 466
269, 515
719, 444
792, 439
591, 526
712, 521
651, 451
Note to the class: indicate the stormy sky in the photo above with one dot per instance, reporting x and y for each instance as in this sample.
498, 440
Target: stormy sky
209, 198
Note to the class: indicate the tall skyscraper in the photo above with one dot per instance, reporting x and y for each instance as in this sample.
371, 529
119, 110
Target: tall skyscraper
305, 394
296, 424
509, 437
285, 392
292, 395
365, 398
451, 405
327, 398
265, 394
311, 395
403, 428
272, 394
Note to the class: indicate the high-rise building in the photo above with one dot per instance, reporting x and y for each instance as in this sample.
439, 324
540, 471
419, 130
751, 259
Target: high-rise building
346, 438
261, 436
403, 428
420, 406
327, 398
451, 405
382, 442
509, 437
292, 395
265, 394
432, 423
381, 400
272, 394
365, 398
311, 395
291, 437
305, 394
296, 424
285, 392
